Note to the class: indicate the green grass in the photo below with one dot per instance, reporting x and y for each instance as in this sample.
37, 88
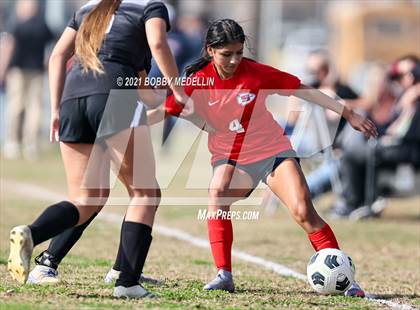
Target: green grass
386, 252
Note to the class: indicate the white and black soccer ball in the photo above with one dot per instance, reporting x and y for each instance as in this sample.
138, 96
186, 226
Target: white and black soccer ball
330, 271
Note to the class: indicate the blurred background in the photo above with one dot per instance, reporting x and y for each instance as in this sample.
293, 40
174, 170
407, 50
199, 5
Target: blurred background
281, 33
364, 52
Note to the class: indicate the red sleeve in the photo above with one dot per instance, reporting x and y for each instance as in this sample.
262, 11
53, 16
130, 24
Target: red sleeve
280, 82
172, 107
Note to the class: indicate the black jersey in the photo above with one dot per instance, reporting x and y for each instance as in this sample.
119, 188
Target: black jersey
124, 51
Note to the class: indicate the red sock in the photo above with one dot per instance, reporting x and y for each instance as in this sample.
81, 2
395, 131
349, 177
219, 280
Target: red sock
221, 239
323, 239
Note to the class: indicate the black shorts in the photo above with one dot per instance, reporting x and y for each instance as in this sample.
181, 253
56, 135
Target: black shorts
260, 170
85, 119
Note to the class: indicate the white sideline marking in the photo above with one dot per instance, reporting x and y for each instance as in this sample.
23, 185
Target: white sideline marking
31, 191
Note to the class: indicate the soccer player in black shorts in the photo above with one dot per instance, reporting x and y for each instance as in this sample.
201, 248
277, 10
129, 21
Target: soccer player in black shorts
92, 116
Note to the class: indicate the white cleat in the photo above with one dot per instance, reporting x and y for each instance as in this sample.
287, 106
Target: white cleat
136, 291
21, 246
223, 281
113, 275
43, 275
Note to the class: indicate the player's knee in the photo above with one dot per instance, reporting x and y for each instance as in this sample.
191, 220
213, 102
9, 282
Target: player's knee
218, 192
217, 196
146, 197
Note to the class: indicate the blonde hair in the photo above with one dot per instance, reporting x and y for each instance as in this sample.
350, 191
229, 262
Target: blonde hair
91, 34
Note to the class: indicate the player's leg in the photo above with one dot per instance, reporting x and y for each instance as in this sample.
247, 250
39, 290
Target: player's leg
288, 183
58, 217
138, 170
113, 274
227, 186
295, 195
45, 271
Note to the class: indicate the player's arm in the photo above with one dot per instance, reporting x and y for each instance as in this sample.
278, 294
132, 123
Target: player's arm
357, 121
157, 115
156, 38
61, 53
170, 108
173, 108
148, 95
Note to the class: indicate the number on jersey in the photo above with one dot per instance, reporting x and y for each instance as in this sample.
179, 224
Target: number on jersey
236, 126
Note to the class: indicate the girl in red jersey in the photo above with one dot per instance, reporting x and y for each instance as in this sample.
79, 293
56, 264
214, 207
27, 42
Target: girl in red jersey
247, 145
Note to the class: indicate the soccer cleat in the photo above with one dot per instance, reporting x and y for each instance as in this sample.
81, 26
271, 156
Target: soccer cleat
355, 291
43, 275
113, 275
21, 246
223, 281
136, 291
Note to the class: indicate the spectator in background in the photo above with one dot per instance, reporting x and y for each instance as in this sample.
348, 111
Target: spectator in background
323, 75
22, 69
398, 128
193, 27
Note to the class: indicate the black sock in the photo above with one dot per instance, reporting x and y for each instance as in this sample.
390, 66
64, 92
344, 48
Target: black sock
145, 252
117, 264
53, 221
136, 239
60, 245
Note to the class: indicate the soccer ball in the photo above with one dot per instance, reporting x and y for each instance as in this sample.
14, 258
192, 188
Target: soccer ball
330, 271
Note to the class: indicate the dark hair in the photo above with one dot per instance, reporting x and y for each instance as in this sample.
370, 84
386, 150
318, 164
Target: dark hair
416, 73
393, 73
219, 34
410, 57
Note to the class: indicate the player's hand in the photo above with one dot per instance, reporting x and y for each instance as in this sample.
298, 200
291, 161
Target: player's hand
180, 97
54, 127
362, 124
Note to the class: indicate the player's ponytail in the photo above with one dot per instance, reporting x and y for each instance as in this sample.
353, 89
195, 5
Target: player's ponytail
219, 34
91, 34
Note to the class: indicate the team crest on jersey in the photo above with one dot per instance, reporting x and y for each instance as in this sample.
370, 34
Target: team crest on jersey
245, 98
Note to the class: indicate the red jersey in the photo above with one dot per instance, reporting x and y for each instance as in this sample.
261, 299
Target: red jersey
245, 131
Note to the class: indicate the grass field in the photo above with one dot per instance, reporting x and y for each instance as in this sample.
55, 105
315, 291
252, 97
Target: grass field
386, 252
